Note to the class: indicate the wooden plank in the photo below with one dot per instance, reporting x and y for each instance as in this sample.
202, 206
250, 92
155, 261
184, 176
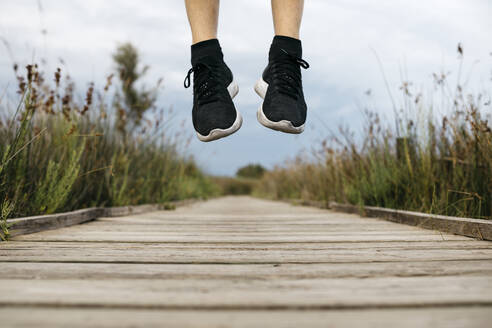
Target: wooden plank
201, 213
457, 317
285, 246
293, 218
236, 238
292, 234
109, 271
244, 294
238, 228
233, 224
159, 218
171, 253
244, 233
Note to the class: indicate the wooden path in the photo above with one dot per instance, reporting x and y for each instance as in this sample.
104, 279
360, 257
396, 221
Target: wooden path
244, 262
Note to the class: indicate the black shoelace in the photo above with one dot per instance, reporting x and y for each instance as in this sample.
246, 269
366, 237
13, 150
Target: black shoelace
287, 75
206, 82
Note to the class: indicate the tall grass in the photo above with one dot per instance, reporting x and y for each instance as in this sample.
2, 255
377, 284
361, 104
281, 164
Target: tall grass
59, 152
437, 159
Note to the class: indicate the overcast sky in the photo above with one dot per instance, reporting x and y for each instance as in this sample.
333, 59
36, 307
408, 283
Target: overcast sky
418, 37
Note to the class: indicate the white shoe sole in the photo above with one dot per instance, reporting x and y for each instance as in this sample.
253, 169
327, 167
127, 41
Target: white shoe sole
215, 134
261, 88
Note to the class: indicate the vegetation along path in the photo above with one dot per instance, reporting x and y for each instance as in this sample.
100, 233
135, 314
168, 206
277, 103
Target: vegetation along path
245, 262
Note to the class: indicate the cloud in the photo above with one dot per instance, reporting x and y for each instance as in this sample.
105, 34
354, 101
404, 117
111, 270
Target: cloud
418, 37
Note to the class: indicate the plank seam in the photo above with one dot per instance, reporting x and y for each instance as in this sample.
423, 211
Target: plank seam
242, 307
239, 263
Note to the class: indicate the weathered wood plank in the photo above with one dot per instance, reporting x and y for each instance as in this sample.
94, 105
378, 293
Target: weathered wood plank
236, 238
245, 233
196, 215
284, 246
238, 228
457, 317
125, 253
170, 217
109, 271
251, 294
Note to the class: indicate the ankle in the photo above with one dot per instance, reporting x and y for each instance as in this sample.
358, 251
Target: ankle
206, 48
289, 44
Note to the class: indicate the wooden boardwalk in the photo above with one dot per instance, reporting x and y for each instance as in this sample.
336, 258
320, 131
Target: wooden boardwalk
244, 262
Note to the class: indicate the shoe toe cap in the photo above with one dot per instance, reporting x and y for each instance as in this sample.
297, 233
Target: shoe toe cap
285, 108
214, 116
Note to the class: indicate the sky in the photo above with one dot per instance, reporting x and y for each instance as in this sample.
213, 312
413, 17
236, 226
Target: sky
343, 40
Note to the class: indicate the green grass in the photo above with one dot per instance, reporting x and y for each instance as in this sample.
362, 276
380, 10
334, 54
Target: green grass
59, 153
428, 162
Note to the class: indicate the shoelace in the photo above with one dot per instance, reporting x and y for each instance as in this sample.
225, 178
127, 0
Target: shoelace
288, 76
205, 84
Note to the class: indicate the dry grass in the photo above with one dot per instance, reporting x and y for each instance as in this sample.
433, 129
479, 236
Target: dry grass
429, 162
59, 152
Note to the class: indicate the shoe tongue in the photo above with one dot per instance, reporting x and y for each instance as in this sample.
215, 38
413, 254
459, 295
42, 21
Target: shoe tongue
291, 45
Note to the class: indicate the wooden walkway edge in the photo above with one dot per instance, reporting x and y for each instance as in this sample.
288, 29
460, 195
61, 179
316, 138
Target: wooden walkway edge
475, 228
245, 262
31, 224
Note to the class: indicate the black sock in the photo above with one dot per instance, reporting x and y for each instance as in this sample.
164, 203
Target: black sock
291, 45
205, 48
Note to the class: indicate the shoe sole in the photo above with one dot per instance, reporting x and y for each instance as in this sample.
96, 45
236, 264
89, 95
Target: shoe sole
286, 126
215, 134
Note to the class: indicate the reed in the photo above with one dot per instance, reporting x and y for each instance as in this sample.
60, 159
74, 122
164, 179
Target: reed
60, 152
437, 158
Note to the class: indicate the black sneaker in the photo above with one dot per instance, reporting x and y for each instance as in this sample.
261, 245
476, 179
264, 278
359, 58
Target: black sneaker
283, 108
214, 114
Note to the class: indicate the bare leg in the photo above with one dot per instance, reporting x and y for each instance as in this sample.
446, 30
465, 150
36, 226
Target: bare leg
287, 16
203, 16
